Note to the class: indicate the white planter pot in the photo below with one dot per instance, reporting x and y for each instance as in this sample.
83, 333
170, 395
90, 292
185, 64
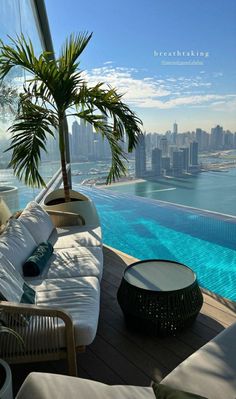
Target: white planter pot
6, 389
80, 204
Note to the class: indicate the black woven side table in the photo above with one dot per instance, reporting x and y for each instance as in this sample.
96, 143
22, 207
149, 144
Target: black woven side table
159, 296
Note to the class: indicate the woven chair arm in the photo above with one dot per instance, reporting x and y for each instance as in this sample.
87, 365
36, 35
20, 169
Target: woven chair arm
34, 310
13, 310
61, 218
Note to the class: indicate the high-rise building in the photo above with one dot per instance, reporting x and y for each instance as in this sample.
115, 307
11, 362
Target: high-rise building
156, 161
172, 148
154, 140
175, 133
149, 144
87, 131
234, 140
228, 140
75, 141
165, 164
217, 138
185, 151
194, 153
140, 157
203, 139
164, 146
178, 163
175, 128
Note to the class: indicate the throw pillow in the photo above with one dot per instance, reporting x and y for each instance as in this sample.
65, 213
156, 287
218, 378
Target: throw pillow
29, 294
37, 222
16, 243
164, 392
35, 264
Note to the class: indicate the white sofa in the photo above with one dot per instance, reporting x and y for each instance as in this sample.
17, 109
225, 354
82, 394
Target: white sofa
68, 288
210, 372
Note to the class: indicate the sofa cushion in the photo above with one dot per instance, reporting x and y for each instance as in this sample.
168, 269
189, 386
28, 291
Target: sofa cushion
16, 243
37, 261
48, 386
164, 392
211, 370
37, 222
12, 286
74, 236
75, 262
79, 297
11, 283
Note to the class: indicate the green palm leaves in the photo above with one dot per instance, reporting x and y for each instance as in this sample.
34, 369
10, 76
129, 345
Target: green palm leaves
54, 89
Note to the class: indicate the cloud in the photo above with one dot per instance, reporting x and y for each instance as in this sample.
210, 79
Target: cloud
135, 90
153, 92
217, 74
108, 62
190, 101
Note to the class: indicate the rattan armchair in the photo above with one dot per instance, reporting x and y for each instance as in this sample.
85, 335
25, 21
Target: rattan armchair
38, 327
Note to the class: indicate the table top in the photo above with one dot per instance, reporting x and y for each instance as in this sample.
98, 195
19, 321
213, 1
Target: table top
159, 275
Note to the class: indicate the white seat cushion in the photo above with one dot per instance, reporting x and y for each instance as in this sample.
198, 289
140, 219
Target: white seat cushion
75, 262
211, 371
48, 386
74, 236
16, 243
11, 282
37, 222
80, 297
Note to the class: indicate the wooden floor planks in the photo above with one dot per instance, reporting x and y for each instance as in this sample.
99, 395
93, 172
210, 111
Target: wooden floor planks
120, 356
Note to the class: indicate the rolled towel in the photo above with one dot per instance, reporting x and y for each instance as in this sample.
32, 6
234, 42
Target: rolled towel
37, 261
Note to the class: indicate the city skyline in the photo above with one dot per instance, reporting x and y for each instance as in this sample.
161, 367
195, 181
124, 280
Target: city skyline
172, 61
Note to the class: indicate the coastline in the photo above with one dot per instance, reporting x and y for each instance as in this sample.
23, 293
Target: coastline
122, 182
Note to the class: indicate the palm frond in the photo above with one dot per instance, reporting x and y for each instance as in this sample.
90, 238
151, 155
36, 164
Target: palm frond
101, 126
71, 51
118, 167
29, 139
19, 52
108, 102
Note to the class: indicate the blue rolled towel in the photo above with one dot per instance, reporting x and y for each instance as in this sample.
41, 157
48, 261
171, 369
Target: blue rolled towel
38, 260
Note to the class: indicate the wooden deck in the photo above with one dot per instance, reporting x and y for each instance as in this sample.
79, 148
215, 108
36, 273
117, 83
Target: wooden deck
118, 356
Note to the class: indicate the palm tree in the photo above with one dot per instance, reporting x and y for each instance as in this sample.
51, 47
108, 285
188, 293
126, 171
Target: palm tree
56, 88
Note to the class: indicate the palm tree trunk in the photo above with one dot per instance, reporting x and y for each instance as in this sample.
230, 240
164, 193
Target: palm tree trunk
63, 160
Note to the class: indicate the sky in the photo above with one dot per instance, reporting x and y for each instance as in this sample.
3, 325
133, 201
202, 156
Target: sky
172, 60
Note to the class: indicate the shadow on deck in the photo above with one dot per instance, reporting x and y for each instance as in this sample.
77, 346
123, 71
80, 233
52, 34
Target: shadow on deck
119, 356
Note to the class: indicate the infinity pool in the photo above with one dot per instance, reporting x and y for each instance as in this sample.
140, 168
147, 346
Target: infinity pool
148, 229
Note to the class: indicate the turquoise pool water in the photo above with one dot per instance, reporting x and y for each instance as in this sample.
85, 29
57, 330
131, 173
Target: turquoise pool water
150, 229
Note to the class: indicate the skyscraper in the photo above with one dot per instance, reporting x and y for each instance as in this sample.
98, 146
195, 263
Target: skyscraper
217, 138
194, 153
228, 140
164, 146
175, 128
175, 132
203, 139
178, 163
156, 161
140, 158
75, 141
165, 164
185, 151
